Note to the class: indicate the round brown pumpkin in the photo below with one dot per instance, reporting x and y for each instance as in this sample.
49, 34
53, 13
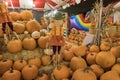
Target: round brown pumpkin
91, 57
29, 72
35, 61
15, 16
79, 50
43, 77
108, 58
19, 28
110, 75
68, 55
11, 75
105, 46
42, 41
32, 26
26, 15
84, 74
5, 64
98, 70
115, 51
77, 62
116, 67
29, 43
45, 59
19, 64
94, 48
61, 72
14, 46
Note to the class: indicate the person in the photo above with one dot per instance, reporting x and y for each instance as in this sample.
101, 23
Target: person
5, 19
57, 35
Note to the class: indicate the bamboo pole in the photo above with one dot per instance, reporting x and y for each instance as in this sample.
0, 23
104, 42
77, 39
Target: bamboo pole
99, 31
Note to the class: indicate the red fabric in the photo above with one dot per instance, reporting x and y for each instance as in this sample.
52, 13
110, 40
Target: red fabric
14, 2
39, 3
51, 2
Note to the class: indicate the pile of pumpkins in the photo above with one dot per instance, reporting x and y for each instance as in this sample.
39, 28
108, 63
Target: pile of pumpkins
83, 63
28, 43
24, 22
76, 36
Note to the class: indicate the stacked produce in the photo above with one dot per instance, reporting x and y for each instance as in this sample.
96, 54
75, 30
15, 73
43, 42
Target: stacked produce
31, 57
76, 36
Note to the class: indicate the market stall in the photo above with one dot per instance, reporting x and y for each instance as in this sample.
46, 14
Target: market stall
59, 44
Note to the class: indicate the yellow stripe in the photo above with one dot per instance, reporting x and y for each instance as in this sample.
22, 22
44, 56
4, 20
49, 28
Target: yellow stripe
82, 23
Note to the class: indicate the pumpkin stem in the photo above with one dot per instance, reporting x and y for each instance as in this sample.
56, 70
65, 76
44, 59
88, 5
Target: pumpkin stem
86, 69
21, 59
78, 43
67, 49
11, 70
59, 67
91, 54
4, 59
30, 65
40, 73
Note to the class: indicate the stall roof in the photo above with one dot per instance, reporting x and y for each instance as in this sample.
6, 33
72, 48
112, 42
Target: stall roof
85, 6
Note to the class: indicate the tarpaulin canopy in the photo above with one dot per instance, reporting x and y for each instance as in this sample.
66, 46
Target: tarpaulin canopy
37, 4
85, 6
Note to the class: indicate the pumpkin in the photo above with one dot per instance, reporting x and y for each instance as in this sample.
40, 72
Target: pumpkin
108, 58
117, 23
115, 51
19, 28
67, 46
61, 72
67, 55
11, 75
15, 16
94, 48
45, 59
35, 34
79, 50
116, 67
98, 70
35, 61
5, 64
14, 46
19, 64
77, 62
110, 75
26, 15
84, 74
43, 77
91, 57
29, 43
72, 31
105, 46
32, 26
42, 41
44, 22
29, 72
76, 31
